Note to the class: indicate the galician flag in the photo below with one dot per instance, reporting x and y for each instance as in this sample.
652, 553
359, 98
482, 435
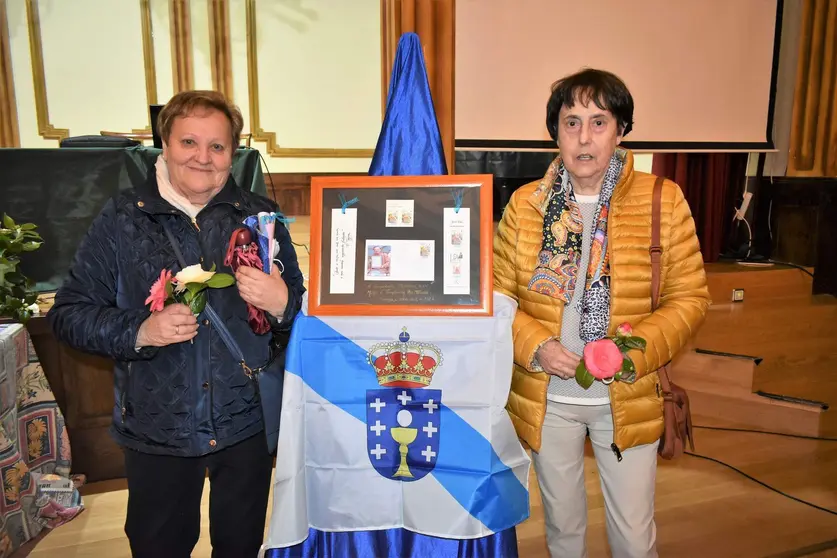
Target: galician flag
398, 423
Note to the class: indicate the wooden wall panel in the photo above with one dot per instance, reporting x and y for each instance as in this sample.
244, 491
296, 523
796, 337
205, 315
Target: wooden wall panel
292, 190
183, 75
9, 133
799, 226
36, 52
813, 142
220, 50
434, 22
149, 64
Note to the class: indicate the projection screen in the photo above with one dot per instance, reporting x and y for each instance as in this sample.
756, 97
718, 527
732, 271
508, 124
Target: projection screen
702, 72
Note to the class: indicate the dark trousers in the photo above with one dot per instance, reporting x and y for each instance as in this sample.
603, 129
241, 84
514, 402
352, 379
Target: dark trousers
164, 499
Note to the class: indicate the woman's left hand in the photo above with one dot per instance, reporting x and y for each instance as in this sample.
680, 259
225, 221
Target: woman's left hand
265, 292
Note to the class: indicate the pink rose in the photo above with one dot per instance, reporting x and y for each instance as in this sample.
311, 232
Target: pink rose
602, 358
625, 330
157, 297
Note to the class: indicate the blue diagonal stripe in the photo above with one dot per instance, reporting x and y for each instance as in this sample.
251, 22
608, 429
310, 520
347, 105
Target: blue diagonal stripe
467, 467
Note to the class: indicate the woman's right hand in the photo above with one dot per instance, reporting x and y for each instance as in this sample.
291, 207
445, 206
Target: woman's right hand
174, 324
555, 359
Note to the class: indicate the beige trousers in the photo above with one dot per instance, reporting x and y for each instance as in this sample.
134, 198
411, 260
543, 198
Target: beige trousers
628, 485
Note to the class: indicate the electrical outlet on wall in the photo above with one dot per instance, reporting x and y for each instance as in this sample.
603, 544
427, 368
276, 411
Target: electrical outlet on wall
738, 295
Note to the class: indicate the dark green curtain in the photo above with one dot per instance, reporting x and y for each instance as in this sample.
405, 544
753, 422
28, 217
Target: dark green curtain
62, 191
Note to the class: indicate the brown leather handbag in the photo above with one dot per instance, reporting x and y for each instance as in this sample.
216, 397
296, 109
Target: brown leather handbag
677, 417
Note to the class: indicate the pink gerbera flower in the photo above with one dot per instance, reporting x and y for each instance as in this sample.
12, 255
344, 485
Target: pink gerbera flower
157, 297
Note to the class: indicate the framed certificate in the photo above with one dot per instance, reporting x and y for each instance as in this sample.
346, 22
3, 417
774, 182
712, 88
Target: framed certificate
401, 245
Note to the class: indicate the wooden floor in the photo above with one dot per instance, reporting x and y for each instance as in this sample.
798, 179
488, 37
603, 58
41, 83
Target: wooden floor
703, 509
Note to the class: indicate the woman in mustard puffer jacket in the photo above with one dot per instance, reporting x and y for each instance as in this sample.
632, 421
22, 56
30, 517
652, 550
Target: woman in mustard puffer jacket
573, 250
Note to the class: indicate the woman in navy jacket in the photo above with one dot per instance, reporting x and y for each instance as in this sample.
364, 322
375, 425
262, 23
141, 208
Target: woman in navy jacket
183, 403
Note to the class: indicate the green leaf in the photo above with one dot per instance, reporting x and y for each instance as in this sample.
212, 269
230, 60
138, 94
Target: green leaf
628, 366
8, 222
28, 227
583, 377
194, 288
220, 280
15, 278
198, 303
21, 315
30, 298
621, 344
213, 267
31, 246
635, 343
169, 288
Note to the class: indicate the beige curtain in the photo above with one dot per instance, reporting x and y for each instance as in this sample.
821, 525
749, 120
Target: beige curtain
776, 163
813, 136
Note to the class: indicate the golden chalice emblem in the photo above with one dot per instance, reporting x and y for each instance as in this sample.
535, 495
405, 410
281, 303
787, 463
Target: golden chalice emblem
404, 436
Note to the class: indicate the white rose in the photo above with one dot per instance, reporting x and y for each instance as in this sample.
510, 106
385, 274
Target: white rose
192, 274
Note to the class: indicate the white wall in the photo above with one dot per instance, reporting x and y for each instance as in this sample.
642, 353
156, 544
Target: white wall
643, 161
93, 70
319, 71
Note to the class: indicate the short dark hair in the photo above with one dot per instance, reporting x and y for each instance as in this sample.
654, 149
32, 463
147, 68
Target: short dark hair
603, 88
186, 103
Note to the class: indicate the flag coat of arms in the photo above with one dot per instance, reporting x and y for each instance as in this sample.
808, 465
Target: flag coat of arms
399, 422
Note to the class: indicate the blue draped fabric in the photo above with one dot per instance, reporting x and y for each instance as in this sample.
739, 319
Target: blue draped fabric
409, 144
397, 543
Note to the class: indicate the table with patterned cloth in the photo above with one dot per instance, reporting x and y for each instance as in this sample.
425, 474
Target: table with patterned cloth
38, 491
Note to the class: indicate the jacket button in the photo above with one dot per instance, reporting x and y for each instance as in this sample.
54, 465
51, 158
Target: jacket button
236, 204
140, 204
213, 443
206, 322
206, 385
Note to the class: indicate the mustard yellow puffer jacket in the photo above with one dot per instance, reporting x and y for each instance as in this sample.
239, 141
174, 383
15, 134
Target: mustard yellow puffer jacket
637, 407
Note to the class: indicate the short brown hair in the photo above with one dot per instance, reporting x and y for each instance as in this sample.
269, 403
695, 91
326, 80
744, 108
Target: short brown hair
186, 103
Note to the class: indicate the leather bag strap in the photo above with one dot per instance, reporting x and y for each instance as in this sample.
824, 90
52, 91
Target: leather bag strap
656, 248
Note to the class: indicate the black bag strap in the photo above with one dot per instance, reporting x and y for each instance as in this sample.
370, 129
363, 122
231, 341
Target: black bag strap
213, 316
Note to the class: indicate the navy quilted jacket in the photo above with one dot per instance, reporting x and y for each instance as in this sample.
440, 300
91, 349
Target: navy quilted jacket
186, 399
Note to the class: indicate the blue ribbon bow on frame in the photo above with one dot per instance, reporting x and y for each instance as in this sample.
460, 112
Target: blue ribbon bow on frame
345, 203
457, 194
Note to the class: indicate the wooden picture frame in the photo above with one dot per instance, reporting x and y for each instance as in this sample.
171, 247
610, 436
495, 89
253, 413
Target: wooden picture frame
428, 207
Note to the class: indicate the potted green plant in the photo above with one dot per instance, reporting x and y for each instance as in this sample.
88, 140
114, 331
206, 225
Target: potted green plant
17, 295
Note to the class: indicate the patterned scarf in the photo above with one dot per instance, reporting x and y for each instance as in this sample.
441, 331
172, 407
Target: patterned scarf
557, 270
